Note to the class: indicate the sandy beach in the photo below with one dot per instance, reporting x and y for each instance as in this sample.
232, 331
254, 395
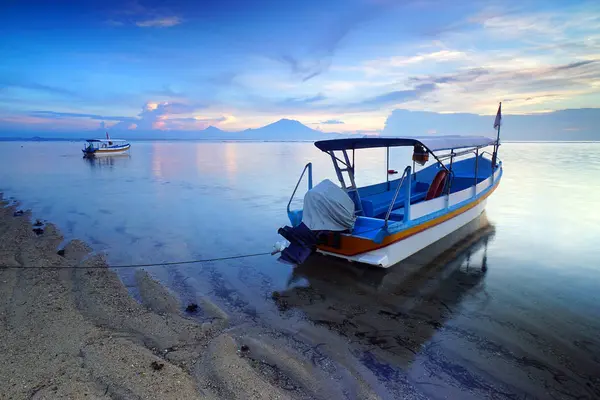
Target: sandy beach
77, 333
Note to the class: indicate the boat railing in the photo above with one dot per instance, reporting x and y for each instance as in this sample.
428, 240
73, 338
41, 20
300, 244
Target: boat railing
455, 154
310, 183
491, 155
389, 211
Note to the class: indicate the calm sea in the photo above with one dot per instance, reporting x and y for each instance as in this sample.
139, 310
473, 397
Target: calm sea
510, 311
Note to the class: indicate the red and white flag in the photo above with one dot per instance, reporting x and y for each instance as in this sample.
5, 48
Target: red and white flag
498, 119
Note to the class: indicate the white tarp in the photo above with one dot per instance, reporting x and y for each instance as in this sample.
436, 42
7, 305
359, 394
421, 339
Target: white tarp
327, 207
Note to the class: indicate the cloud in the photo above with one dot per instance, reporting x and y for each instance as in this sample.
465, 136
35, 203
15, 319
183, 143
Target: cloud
64, 115
212, 120
28, 85
332, 122
134, 13
436, 56
524, 84
319, 56
465, 75
578, 124
307, 69
295, 103
154, 115
574, 65
169, 107
159, 22
395, 97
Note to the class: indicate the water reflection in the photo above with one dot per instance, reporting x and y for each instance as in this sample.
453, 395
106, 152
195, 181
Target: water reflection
393, 313
530, 324
107, 161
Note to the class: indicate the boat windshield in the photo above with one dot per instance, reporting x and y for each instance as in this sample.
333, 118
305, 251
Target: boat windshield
101, 144
90, 145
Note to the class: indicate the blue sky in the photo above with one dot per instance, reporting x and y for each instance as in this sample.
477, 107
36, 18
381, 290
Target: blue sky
341, 66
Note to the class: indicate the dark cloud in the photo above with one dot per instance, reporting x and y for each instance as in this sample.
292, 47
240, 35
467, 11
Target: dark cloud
23, 84
395, 97
62, 115
462, 76
296, 102
319, 56
574, 65
306, 69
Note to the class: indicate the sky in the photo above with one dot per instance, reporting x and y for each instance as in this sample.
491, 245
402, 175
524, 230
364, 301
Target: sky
336, 65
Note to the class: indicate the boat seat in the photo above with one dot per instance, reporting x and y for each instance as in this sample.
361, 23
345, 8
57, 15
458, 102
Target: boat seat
377, 204
397, 215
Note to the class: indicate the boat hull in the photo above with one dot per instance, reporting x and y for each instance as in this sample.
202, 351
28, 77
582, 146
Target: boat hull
107, 151
404, 243
393, 253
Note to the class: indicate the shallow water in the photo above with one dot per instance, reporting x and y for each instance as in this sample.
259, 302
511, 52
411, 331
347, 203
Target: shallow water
438, 325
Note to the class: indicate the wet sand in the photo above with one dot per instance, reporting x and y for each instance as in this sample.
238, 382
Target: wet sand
77, 333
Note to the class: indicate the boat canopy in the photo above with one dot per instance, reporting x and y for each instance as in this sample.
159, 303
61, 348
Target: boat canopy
432, 143
105, 140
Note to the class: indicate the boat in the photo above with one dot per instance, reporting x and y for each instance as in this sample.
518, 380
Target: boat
102, 147
384, 223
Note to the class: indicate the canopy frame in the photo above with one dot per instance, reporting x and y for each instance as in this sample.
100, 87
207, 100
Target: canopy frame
430, 144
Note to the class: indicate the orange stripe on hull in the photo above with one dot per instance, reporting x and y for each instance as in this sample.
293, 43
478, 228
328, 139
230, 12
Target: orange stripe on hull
111, 150
353, 245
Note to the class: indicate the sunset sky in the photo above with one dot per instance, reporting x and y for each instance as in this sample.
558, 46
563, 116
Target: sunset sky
341, 65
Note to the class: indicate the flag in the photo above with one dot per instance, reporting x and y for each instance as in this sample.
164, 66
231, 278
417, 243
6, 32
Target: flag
498, 119
107, 138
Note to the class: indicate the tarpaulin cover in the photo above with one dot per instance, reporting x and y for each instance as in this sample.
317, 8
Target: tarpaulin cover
327, 207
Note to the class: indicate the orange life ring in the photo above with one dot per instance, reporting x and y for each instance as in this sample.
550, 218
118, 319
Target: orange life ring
437, 185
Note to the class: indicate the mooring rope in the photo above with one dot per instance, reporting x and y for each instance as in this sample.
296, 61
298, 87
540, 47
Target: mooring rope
205, 260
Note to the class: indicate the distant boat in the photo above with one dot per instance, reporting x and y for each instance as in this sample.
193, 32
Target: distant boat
105, 147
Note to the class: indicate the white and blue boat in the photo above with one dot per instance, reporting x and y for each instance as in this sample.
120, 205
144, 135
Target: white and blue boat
385, 223
105, 147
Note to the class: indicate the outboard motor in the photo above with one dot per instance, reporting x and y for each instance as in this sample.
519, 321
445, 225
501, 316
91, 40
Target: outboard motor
327, 208
303, 242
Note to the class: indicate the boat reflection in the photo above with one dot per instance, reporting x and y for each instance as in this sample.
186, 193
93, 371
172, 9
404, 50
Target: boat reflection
392, 313
107, 161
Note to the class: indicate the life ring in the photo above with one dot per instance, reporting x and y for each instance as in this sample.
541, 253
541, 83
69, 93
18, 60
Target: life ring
437, 185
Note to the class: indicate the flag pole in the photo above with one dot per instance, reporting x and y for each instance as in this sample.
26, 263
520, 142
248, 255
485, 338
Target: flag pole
495, 156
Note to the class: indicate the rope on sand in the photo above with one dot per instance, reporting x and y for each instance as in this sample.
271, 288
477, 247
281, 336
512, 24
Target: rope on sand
145, 265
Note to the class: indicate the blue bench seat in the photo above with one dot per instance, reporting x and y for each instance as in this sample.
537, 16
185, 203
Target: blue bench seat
376, 205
